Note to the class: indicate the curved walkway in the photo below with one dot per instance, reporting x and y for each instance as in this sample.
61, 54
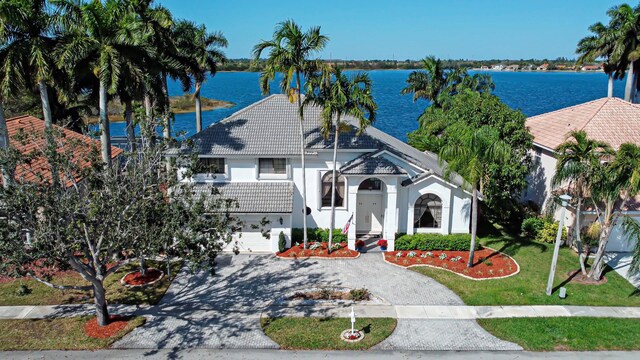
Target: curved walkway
216, 311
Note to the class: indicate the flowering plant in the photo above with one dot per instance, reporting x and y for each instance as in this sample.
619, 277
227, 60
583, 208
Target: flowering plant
398, 254
359, 244
456, 259
382, 243
336, 246
315, 246
411, 254
442, 256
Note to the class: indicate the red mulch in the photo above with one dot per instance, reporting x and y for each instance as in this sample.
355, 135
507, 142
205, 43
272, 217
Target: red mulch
135, 278
298, 251
116, 323
494, 265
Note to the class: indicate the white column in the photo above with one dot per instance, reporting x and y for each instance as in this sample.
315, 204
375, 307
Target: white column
391, 212
352, 205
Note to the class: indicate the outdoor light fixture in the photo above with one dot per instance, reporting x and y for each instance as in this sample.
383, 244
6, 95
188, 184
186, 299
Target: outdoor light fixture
280, 220
563, 292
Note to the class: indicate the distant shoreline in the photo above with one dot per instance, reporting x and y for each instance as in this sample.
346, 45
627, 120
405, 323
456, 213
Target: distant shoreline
470, 69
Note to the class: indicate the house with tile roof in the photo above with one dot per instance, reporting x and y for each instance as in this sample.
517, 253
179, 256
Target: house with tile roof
384, 186
39, 167
611, 120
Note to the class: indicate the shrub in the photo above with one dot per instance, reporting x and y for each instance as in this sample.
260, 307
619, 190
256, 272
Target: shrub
282, 242
549, 232
359, 244
23, 290
359, 294
455, 242
317, 234
531, 226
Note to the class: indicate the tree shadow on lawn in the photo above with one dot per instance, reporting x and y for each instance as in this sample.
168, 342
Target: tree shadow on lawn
511, 246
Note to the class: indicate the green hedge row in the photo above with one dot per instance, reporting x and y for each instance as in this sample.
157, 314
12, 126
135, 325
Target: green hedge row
454, 242
317, 234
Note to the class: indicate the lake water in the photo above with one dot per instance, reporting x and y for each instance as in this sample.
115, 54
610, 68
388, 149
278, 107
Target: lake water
532, 92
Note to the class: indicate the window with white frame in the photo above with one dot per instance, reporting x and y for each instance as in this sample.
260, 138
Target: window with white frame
427, 212
271, 166
326, 190
212, 165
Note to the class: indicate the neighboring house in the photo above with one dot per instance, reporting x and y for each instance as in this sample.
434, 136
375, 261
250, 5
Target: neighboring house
387, 186
31, 125
543, 67
498, 67
612, 120
591, 68
514, 67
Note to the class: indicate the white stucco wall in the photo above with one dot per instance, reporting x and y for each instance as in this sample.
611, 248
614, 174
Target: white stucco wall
539, 181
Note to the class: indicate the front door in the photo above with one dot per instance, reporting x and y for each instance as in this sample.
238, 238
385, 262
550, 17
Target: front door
369, 213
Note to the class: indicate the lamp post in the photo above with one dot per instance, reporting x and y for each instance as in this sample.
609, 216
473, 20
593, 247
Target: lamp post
565, 201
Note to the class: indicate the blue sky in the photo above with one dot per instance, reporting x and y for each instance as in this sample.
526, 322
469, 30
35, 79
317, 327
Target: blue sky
408, 29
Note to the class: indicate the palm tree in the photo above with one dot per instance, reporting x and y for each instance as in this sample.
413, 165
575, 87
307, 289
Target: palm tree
613, 181
470, 153
625, 24
599, 45
290, 51
339, 96
28, 33
576, 157
102, 36
436, 83
4, 144
204, 48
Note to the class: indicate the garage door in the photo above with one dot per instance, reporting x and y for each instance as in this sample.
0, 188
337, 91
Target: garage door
251, 239
618, 241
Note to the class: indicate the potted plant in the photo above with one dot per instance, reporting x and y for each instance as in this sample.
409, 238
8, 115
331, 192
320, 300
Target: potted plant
383, 244
359, 245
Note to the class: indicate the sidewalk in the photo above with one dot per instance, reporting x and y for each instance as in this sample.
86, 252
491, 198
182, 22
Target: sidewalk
444, 312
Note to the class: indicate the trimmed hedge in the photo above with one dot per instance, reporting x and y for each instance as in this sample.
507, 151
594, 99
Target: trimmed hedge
421, 241
317, 235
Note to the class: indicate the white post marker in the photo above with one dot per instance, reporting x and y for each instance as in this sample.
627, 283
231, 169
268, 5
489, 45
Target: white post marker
565, 201
353, 321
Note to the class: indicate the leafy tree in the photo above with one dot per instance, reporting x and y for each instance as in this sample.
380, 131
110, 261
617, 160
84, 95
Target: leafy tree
576, 158
92, 218
614, 184
625, 24
339, 95
436, 83
471, 152
290, 51
506, 180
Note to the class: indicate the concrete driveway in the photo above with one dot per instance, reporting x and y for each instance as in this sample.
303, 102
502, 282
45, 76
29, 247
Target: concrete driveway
223, 311
621, 262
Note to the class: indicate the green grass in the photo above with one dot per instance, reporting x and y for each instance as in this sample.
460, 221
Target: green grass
324, 333
528, 287
55, 334
571, 334
116, 293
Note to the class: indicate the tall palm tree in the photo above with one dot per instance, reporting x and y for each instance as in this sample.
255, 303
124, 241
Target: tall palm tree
436, 83
340, 96
204, 48
625, 23
4, 143
615, 183
290, 51
470, 153
28, 36
103, 36
576, 158
599, 45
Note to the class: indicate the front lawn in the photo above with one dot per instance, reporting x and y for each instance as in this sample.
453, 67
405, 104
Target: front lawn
570, 334
528, 286
116, 294
324, 333
56, 334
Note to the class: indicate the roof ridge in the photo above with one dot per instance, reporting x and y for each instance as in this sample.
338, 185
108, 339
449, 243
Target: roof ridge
21, 117
249, 107
567, 108
595, 113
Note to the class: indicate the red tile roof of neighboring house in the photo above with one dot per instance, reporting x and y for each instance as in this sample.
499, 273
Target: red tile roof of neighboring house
612, 120
31, 124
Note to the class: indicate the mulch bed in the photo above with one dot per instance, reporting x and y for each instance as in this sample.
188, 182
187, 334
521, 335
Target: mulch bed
298, 251
135, 278
577, 277
488, 263
116, 323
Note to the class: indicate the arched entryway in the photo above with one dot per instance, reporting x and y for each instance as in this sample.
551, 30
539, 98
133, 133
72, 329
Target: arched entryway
370, 207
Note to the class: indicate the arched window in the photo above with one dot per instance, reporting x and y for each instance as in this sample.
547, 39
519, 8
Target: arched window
370, 184
427, 212
326, 190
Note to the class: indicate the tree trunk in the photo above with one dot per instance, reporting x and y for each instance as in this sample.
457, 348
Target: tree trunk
143, 266
598, 263
128, 117
198, 107
105, 137
610, 86
4, 143
46, 105
148, 126
628, 89
100, 300
578, 236
166, 122
474, 226
333, 182
302, 158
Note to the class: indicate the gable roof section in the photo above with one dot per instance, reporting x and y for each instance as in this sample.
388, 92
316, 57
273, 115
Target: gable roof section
612, 120
32, 124
254, 197
368, 164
